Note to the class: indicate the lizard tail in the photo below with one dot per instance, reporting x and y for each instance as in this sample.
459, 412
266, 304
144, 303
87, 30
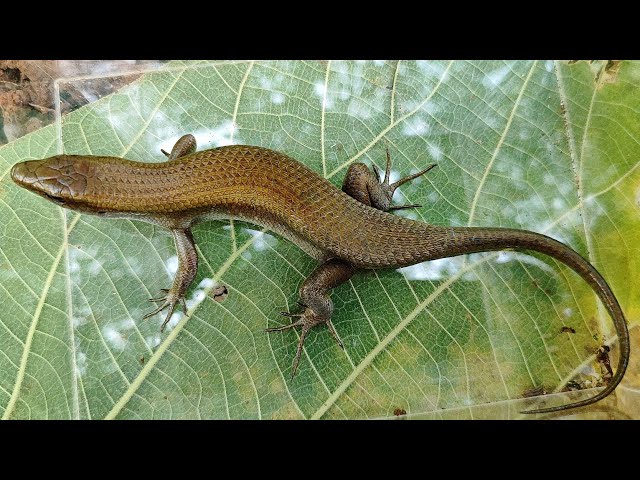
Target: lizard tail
471, 240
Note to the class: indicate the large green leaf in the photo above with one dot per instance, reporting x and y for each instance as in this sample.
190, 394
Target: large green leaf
546, 146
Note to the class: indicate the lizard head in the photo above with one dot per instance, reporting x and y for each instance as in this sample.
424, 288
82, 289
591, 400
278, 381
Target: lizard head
61, 179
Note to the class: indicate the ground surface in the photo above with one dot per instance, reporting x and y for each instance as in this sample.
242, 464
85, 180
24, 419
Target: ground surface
27, 89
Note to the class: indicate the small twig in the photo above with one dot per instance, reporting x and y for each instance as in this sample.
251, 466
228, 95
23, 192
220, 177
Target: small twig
10, 83
41, 108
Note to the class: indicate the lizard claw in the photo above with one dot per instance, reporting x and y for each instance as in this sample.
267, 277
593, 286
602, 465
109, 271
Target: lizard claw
170, 301
389, 189
307, 320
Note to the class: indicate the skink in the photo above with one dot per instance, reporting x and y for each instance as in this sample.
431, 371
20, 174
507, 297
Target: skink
345, 230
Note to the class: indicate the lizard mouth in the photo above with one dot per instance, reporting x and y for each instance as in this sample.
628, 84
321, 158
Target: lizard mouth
56, 200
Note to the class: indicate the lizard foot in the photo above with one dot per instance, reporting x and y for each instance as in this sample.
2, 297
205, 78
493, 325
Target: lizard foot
307, 320
170, 300
389, 189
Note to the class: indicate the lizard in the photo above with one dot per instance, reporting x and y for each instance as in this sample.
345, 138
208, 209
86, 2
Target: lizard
346, 230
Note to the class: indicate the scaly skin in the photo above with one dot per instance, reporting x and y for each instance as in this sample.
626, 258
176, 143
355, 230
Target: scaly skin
270, 189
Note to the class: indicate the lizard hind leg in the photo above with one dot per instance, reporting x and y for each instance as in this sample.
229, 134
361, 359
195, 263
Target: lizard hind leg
318, 307
366, 186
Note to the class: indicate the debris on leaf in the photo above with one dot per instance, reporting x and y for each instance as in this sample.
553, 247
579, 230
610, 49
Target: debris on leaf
602, 355
220, 293
608, 73
567, 330
534, 391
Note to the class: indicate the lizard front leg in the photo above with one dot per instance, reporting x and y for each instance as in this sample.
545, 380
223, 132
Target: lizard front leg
185, 145
187, 268
185, 248
318, 307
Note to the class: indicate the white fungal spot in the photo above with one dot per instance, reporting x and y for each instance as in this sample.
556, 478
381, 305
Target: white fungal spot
503, 257
277, 98
558, 204
415, 127
171, 265
359, 109
81, 364
94, 267
319, 89
114, 339
495, 77
265, 82
153, 340
432, 270
207, 283
262, 239
434, 152
78, 320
